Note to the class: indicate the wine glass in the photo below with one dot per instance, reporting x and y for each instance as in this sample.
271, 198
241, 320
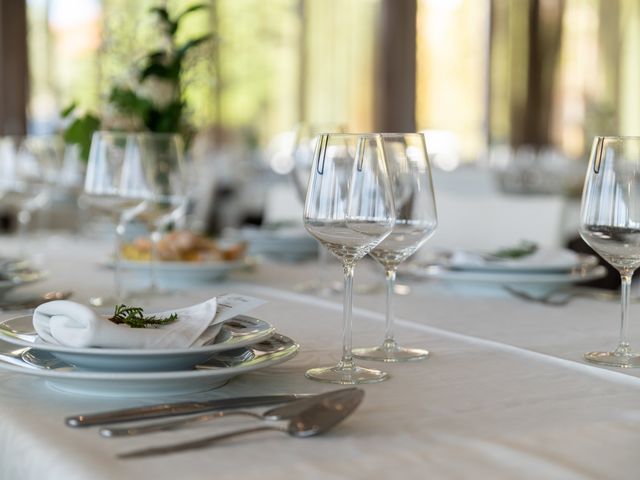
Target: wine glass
162, 157
306, 137
610, 224
349, 210
29, 168
415, 223
115, 184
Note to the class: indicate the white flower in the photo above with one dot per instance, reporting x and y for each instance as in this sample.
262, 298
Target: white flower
159, 91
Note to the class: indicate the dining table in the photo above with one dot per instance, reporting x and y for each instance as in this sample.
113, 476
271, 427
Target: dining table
505, 393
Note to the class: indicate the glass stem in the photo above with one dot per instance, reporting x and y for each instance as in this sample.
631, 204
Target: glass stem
389, 342
117, 260
24, 219
347, 313
625, 290
153, 260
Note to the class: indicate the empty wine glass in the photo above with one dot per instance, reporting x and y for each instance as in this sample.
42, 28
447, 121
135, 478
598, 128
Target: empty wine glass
162, 156
306, 137
29, 169
349, 210
415, 223
610, 224
115, 184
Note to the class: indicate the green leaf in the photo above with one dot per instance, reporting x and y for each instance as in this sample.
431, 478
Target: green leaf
158, 70
128, 102
67, 111
189, 10
163, 14
182, 50
80, 131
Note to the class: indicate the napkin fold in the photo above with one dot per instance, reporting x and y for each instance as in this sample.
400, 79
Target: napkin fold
75, 325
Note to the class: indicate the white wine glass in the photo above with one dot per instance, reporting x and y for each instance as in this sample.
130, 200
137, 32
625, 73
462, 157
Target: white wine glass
29, 169
415, 222
115, 185
162, 157
610, 224
349, 210
305, 138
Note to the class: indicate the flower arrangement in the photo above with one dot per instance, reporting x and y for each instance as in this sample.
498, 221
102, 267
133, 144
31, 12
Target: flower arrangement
153, 100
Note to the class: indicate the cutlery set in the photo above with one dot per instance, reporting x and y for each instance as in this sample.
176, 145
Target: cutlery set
305, 415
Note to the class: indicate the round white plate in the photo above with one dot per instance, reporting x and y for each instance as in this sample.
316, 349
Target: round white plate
289, 244
544, 260
235, 333
214, 373
525, 280
186, 272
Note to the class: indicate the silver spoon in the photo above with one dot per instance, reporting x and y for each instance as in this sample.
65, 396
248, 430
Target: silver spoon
281, 412
317, 419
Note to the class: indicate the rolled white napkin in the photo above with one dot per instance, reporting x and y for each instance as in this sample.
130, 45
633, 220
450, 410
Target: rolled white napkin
72, 324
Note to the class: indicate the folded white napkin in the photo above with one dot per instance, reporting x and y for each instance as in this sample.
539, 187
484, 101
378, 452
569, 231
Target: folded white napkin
75, 325
543, 258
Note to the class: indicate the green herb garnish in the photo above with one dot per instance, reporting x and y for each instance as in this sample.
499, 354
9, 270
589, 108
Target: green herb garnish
523, 249
135, 318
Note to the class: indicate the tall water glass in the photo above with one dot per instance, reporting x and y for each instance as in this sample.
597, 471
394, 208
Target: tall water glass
610, 224
349, 210
115, 184
162, 156
415, 222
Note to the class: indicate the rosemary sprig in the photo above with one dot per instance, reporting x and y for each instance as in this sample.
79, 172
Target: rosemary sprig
135, 318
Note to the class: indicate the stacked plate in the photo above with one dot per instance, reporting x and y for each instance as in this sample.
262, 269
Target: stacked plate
244, 344
542, 271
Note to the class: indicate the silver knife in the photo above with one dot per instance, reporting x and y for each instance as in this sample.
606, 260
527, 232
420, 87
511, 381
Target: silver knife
181, 408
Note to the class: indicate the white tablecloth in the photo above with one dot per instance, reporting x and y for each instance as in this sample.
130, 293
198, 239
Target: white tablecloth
505, 394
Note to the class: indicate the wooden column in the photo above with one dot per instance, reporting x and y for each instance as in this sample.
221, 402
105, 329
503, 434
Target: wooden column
395, 96
13, 67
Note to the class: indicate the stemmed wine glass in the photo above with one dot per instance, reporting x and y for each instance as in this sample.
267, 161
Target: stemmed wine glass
29, 168
415, 223
162, 158
610, 224
348, 209
115, 184
306, 137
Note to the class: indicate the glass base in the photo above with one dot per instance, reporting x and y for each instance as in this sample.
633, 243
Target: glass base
327, 289
393, 353
352, 375
318, 287
617, 358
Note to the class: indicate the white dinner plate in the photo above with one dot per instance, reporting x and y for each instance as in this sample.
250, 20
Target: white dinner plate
238, 332
213, 373
531, 281
545, 260
287, 244
176, 273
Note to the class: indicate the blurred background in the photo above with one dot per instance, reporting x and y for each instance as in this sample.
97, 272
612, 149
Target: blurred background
509, 92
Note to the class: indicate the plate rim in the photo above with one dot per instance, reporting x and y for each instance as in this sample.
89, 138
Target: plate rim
121, 352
